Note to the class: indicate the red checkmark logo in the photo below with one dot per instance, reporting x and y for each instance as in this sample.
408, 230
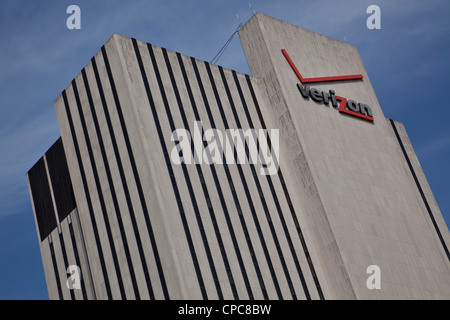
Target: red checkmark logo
342, 105
318, 79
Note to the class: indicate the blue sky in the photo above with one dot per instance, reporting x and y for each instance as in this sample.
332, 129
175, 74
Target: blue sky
407, 62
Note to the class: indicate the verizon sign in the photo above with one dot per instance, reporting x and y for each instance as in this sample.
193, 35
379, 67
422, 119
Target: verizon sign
344, 105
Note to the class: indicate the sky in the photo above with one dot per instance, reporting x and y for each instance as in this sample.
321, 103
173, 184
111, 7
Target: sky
407, 61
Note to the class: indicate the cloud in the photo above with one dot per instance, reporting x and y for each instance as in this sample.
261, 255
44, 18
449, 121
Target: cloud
21, 147
435, 146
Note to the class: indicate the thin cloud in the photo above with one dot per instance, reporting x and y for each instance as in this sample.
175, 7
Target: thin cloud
21, 148
437, 145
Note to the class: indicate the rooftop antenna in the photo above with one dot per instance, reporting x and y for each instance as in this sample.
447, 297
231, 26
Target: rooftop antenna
250, 5
222, 50
239, 20
345, 39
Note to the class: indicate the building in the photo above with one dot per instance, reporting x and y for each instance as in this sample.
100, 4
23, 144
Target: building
348, 192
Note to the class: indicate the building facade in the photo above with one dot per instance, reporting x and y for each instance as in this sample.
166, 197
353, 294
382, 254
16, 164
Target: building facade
348, 191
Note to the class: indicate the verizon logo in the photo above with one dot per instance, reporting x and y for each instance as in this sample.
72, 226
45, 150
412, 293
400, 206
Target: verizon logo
350, 107
347, 106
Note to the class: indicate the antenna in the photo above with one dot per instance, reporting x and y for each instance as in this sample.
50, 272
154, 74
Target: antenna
250, 5
239, 19
345, 39
222, 50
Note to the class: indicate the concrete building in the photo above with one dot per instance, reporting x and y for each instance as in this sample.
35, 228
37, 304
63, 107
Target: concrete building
349, 191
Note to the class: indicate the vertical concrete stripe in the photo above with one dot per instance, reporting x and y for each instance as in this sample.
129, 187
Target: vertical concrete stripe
71, 261
246, 189
123, 180
61, 184
60, 229
422, 194
287, 196
169, 167
258, 186
188, 180
52, 193
132, 161
201, 177
232, 188
78, 237
77, 260
113, 190
99, 192
42, 199
273, 192
66, 263
55, 268
87, 195
218, 187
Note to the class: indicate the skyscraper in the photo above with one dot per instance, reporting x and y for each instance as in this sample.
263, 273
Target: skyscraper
129, 196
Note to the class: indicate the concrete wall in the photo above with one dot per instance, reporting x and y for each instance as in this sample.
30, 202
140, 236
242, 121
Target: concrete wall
100, 161
357, 199
237, 184
64, 245
221, 231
